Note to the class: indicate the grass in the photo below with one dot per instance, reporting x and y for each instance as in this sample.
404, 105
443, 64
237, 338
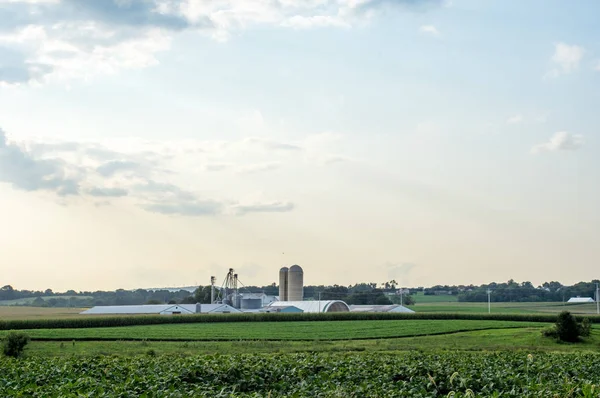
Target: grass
421, 298
308, 331
505, 308
522, 339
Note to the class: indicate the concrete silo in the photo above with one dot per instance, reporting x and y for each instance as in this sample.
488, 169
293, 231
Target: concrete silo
295, 284
283, 284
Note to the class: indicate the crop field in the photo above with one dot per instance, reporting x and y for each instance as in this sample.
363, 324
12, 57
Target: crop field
22, 312
346, 375
503, 308
309, 331
522, 339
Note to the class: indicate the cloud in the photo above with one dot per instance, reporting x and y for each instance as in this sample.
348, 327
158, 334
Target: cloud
117, 166
216, 166
566, 58
597, 67
561, 141
516, 119
20, 169
272, 145
273, 207
162, 176
107, 192
44, 40
429, 30
257, 168
184, 208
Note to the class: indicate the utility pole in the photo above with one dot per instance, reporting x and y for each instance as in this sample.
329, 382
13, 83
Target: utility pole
212, 289
597, 301
401, 297
489, 292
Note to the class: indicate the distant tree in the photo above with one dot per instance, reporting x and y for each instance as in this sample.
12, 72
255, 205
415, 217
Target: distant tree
7, 292
172, 302
188, 300
202, 294
382, 300
48, 292
154, 301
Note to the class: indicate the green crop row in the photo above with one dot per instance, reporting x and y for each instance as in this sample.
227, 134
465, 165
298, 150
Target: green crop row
442, 374
95, 321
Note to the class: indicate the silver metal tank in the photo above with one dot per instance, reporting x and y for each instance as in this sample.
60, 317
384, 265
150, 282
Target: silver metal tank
283, 284
252, 303
295, 283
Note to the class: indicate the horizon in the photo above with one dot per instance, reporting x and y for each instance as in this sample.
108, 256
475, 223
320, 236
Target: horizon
427, 141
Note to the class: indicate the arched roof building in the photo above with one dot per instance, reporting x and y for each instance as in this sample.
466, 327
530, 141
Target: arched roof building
314, 306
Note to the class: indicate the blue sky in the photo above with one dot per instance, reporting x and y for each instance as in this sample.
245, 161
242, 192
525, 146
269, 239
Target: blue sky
419, 140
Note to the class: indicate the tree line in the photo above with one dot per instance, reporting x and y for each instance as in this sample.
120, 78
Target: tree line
359, 294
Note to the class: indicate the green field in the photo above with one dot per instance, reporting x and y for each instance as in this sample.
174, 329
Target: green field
504, 308
421, 298
521, 339
343, 375
309, 331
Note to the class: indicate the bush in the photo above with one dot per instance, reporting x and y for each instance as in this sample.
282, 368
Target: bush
566, 327
585, 329
14, 344
550, 332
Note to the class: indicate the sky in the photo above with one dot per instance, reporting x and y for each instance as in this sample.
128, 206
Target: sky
155, 143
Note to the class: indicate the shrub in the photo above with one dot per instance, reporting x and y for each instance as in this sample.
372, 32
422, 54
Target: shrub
585, 328
550, 332
566, 327
14, 344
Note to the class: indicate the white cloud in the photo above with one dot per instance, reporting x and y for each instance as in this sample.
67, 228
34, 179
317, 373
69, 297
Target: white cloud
158, 176
515, 119
270, 207
561, 141
566, 58
81, 39
429, 30
597, 66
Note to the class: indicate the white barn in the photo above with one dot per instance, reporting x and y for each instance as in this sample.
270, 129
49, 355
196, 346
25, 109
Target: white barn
580, 300
381, 308
313, 306
161, 309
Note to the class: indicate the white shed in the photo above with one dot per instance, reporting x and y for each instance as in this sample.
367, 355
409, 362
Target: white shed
580, 300
161, 309
314, 306
381, 308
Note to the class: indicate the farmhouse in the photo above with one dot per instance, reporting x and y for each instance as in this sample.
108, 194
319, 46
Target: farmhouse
580, 300
161, 309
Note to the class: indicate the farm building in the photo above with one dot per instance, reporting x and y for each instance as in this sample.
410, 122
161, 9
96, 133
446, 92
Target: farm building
580, 300
314, 306
161, 309
282, 310
380, 308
